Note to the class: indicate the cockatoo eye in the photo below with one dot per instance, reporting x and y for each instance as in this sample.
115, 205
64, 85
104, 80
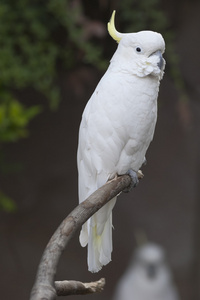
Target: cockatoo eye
138, 49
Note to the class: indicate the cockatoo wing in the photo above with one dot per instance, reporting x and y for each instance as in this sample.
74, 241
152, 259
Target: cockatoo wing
94, 171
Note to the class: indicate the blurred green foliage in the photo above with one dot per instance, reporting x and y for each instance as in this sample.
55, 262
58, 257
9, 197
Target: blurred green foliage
39, 37
36, 38
7, 204
14, 118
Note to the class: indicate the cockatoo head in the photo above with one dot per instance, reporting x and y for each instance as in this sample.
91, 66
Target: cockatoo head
149, 261
138, 53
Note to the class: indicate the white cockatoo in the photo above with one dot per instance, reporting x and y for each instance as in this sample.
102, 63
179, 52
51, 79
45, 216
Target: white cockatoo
116, 129
148, 277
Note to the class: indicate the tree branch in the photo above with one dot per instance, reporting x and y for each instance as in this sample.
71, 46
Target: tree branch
44, 287
66, 288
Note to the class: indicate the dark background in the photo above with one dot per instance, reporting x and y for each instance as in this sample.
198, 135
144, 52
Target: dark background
165, 204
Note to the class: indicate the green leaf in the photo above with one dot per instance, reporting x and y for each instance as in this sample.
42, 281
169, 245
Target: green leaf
7, 204
14, 118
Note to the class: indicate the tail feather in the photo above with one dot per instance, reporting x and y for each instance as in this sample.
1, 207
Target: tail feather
100, 247
83, 238
106, 245
94, 264
97, 233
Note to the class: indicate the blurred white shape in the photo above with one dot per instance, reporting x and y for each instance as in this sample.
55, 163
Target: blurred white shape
148, 277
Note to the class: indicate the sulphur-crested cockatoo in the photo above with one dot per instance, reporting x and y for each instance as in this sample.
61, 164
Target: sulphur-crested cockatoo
116, 129
148, 277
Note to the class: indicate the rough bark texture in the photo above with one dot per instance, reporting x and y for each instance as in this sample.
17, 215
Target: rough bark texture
71, 287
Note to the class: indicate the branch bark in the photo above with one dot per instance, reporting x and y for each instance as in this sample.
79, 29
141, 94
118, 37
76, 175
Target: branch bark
71, 287
44, 287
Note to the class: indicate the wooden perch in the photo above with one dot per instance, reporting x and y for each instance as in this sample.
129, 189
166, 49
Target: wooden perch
44, 287
71, 287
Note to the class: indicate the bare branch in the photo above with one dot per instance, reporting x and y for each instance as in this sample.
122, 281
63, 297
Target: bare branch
44, 288
66, 288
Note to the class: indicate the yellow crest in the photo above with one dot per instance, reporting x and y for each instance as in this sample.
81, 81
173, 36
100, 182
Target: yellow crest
112, 30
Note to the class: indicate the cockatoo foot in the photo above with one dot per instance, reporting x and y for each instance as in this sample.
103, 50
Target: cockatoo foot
134, 180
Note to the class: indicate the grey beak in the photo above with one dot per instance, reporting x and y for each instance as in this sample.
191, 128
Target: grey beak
161, 60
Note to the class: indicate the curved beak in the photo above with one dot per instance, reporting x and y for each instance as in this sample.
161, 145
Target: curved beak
161, 59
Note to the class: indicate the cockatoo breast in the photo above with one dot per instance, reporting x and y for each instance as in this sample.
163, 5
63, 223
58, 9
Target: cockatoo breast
119, 122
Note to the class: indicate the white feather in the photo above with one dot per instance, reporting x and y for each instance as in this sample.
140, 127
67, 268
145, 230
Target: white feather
116, 129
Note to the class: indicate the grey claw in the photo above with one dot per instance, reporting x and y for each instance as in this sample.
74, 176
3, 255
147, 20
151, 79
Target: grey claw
134, 180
